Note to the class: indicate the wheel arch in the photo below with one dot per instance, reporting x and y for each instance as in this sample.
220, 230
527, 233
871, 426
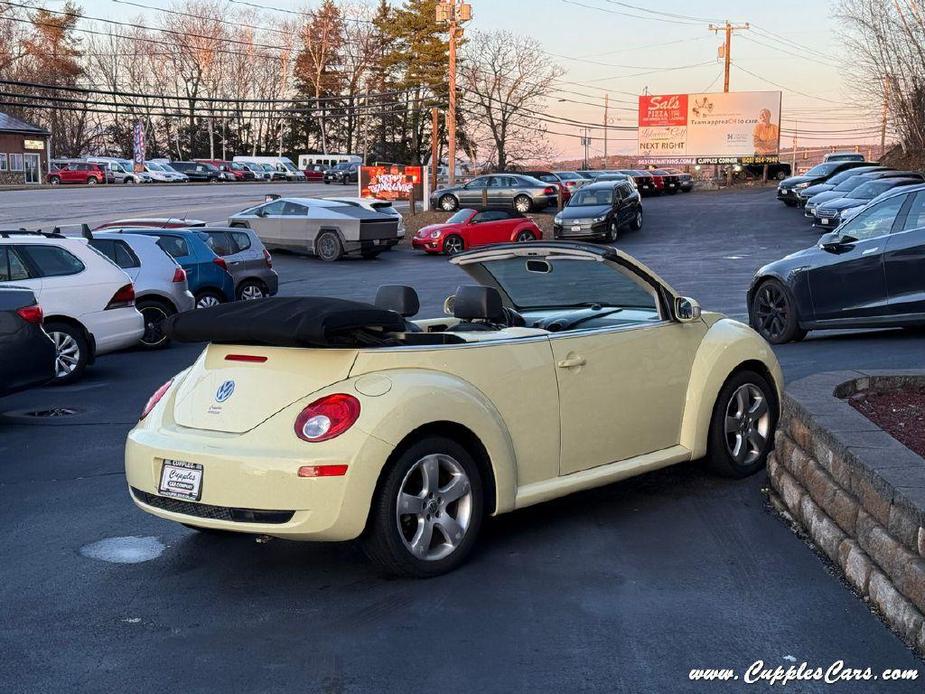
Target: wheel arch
156, 298
728, 347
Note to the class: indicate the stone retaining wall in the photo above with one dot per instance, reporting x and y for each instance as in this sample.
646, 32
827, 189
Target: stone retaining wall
857, 491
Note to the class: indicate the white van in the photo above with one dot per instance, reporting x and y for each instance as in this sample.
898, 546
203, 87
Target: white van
328, 161
282, 164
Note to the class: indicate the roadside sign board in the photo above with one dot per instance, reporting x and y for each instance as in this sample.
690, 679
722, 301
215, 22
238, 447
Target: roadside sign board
394, 182
717, 128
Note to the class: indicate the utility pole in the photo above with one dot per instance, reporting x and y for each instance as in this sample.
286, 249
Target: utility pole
453, 12
434, 136
606, 104
727, 48
793, 158
886, 111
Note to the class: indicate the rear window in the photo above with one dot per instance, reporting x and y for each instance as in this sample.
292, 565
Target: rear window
117, 251
242, 240
51, 261
11, 265
220, 242
174, 246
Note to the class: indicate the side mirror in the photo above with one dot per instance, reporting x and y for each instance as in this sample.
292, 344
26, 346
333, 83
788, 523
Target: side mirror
686, 310
448, 304
833, 242
261, 213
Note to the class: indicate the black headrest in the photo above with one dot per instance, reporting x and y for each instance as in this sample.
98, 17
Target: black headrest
396, 297
478, 303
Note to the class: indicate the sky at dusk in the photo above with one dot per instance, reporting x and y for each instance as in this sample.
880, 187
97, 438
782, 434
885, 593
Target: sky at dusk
611, 47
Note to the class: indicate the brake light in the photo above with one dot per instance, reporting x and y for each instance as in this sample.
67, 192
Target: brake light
179, 275
155, 398
267, 257
570, 184
549, 191
31, 314
123, 298
327, 417
221, 263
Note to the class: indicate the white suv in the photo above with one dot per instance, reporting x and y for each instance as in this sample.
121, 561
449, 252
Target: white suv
89, 303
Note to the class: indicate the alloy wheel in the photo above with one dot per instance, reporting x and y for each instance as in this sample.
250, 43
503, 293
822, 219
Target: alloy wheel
328, 247
252, 291
524, 236
67, 354
453, 245
747, 424
434, 507
448, 203
772, 311
522, 204
207, 301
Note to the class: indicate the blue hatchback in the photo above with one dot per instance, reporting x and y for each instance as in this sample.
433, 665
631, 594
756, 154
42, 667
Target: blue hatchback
206, 273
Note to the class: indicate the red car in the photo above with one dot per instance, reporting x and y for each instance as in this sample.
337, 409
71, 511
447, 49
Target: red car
470, 228
154, 223
564, 186
314, 173
78, 172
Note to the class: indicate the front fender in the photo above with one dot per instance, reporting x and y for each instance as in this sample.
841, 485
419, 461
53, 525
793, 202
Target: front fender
727, 345
409, 403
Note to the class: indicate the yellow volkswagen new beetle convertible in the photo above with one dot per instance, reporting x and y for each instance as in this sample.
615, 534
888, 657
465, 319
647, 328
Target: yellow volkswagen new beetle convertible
564, 366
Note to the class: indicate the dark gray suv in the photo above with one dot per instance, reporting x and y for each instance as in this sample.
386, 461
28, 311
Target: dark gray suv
249, 262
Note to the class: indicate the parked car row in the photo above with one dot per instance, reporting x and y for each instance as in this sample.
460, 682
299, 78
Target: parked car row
865, 273
834, 192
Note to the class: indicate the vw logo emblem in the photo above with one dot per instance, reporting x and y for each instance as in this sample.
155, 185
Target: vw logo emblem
224, 391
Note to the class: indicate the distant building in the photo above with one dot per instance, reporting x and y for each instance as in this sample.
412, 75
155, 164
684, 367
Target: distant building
23, 151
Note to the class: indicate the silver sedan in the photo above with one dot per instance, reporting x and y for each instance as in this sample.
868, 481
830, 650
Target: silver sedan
523, 193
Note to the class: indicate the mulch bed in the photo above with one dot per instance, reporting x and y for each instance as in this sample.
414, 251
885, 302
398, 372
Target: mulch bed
901, 413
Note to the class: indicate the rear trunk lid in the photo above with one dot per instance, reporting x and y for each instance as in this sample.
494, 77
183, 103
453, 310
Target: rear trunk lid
233, 388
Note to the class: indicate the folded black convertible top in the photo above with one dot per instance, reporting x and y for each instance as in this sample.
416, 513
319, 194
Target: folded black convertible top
308, 321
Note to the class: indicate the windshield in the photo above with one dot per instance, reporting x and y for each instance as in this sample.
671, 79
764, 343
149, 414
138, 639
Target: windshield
289, 166
460, 216
822, 169
154, 167
849, 184
869, 191
343, 165
570, 283
592, 198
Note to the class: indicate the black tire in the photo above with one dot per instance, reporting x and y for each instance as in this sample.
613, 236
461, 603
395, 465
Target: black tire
722, 443
92, 181
53, 180
525, 237
613, 231
386, 538
790, 203
773, 313
206, 298
251, 289
523, 204
370, 255
328, 247
636, 224
453, 244
154, 313
72, 351
327, 182
129, 181
449, 203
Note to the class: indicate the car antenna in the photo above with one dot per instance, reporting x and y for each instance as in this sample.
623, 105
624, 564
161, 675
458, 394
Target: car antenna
85, 232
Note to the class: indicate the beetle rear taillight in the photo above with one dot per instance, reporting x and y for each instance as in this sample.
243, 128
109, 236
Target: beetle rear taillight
268, 258
155, 398
327, 417
123, 298
179, 275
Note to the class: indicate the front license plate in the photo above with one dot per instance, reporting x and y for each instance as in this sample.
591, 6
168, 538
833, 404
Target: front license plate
825, 220
181, 480
576, 227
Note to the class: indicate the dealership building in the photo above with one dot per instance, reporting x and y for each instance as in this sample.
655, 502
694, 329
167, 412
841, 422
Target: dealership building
23, 151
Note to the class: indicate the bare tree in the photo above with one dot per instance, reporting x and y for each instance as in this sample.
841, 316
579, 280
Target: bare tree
505, 82
886, 42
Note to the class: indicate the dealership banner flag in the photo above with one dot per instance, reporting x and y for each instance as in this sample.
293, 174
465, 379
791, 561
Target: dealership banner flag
138, 147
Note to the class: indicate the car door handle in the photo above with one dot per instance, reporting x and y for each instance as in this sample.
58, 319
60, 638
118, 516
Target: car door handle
571, 361
870, 250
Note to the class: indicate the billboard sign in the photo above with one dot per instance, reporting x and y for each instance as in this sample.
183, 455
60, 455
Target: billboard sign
393, 182
718, 128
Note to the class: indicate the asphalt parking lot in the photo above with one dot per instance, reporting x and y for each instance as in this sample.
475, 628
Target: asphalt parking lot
638, 582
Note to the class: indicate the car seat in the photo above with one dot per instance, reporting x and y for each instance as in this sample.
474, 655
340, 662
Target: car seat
402, 300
